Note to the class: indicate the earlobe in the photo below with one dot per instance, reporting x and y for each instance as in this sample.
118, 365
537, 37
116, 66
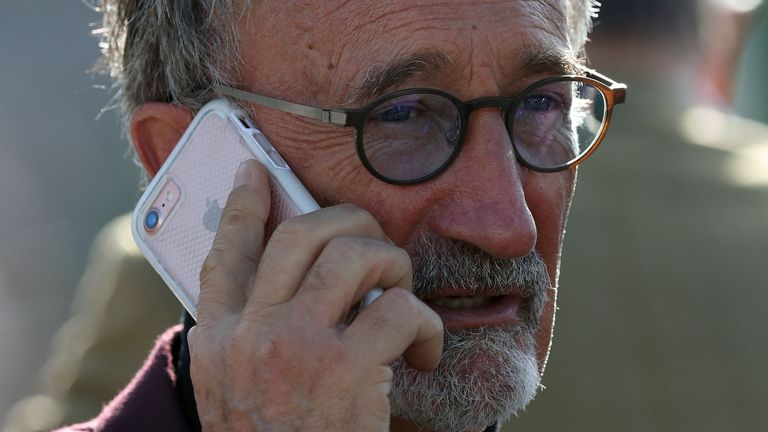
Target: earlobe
155, 129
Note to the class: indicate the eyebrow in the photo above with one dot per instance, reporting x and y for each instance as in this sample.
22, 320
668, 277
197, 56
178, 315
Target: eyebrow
384, 77
548, 61
428, 64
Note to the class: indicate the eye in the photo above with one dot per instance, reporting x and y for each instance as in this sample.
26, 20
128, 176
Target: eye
540, 103
397, 113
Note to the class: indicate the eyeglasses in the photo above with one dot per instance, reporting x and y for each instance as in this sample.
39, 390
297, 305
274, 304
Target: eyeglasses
413, 135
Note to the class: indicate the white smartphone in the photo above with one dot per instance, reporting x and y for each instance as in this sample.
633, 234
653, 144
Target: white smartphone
175, 220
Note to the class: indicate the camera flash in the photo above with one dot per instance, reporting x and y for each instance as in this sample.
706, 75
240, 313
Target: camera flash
170, 196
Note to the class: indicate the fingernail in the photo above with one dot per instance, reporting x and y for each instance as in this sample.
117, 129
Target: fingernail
243, 175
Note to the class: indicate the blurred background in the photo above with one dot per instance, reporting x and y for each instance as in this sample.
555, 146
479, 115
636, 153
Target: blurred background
63, 175
662, 322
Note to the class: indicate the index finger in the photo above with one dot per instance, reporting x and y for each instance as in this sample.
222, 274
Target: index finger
237, 245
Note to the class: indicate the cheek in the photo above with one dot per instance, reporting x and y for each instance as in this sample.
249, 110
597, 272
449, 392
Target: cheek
323, 157
549, 197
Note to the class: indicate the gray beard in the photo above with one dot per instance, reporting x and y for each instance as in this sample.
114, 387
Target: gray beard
485, 374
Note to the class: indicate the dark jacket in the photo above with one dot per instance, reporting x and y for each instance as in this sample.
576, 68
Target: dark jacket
160, 397
150, 402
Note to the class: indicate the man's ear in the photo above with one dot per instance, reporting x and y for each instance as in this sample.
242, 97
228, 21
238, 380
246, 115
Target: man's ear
155, 129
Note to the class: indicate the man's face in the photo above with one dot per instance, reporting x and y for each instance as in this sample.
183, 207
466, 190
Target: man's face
486, 211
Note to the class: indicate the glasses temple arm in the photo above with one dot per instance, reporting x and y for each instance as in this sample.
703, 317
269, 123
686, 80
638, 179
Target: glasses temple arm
323, 115
619, 89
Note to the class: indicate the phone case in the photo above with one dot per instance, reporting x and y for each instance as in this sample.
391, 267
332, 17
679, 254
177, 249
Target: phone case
196, 180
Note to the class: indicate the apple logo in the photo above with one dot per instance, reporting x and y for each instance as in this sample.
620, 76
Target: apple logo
212, 215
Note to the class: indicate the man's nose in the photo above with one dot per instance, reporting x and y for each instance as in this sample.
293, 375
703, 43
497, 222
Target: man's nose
482, 199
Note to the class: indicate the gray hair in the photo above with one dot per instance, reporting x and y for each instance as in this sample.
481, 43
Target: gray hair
177, 51
167, 51
485, 374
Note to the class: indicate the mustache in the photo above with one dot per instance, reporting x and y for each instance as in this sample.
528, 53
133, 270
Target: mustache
440, 263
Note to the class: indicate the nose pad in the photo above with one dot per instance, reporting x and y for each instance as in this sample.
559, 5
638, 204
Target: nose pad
452, 134
505, 117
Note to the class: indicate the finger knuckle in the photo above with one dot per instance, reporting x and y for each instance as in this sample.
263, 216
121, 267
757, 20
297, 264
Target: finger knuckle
237, 213
359, 215
404, 259
209, 266
390, 260
291, 229
348, 245
272, 346
239, 194
319, 281
402, 300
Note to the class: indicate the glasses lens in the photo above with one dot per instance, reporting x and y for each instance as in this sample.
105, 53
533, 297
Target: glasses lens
557, 123
411, 136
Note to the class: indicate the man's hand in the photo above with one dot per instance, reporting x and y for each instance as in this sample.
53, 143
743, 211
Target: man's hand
269, 352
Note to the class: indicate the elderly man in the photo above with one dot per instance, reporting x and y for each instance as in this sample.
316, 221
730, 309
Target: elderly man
461, 222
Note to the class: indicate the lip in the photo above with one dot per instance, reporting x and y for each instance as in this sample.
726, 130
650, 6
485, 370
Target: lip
502, 311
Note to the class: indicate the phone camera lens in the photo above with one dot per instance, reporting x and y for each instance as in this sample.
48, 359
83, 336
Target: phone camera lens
151, 220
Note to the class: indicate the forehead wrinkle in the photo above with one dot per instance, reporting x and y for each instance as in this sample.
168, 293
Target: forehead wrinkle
374, 79
537, 16
542, 51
